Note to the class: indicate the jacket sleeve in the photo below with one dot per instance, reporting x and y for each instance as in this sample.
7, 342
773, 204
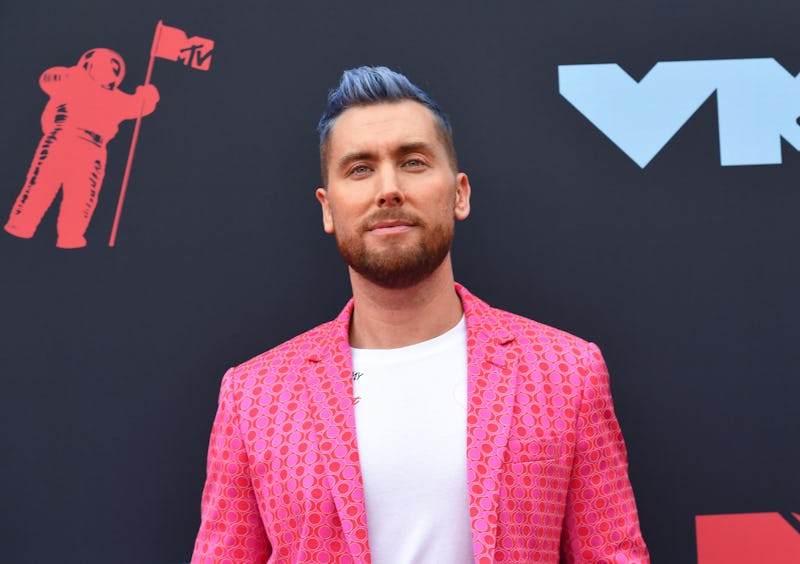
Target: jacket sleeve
601, 523
231, 530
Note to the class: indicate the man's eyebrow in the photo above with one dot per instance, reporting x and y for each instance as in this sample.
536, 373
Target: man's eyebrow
354, 156
420, 146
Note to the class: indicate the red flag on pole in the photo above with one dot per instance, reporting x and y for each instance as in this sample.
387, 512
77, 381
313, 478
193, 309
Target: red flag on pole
168, 43
171, 43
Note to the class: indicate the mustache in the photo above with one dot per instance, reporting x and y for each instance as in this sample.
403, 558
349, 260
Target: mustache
391, 215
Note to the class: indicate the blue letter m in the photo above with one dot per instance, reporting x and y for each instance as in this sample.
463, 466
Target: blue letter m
758, 102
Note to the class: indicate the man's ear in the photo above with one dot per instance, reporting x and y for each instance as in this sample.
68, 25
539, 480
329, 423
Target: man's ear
327, 216
463, 192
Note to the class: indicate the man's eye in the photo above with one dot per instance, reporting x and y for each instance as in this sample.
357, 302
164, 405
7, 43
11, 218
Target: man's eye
360, 169
413, 163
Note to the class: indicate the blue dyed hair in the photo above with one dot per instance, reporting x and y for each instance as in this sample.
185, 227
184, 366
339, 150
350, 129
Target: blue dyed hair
364, 86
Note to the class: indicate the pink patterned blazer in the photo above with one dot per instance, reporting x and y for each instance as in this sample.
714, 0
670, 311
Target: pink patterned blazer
546, 463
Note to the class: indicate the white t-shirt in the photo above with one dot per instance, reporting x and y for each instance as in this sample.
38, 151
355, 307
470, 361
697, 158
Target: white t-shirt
411, 424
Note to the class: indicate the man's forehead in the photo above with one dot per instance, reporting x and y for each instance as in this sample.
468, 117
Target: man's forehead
384, 122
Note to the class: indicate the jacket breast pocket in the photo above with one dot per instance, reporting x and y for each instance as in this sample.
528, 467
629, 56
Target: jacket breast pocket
533, 485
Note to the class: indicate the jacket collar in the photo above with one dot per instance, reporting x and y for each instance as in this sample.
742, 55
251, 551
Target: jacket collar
491, 389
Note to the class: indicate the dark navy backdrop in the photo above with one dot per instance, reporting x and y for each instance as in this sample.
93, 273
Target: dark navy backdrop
683, 272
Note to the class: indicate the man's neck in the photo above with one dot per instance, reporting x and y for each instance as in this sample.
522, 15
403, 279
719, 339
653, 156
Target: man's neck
390, 318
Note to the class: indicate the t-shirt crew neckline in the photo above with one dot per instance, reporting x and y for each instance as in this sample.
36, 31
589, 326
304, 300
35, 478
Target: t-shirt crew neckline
417, 350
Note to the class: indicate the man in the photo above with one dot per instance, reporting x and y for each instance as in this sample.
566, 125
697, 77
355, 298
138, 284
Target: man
421, 425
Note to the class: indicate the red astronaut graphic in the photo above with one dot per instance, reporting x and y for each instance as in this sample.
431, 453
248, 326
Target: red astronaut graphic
81, 117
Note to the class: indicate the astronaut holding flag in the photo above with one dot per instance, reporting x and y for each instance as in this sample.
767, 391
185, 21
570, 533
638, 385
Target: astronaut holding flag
81, 117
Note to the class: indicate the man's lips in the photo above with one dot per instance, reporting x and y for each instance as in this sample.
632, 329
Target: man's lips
390, 227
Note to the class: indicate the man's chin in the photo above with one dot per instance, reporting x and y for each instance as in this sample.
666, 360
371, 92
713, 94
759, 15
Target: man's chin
395, 280
398, 272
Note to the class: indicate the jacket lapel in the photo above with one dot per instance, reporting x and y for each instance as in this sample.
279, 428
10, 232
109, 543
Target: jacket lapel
329, 374
491, 391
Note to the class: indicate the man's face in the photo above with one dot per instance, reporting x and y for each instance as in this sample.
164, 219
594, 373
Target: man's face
392, 195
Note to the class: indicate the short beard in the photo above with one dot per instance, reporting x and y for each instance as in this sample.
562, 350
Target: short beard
397, 267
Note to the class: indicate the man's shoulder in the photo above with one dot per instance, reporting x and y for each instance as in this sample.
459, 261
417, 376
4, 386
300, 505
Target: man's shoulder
524, 330
530, 331
295, 350
544, 346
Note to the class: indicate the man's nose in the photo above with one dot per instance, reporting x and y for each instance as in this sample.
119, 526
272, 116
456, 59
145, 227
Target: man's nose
389, 193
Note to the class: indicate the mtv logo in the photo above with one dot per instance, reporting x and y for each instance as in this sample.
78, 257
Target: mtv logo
749, 538
758, 103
